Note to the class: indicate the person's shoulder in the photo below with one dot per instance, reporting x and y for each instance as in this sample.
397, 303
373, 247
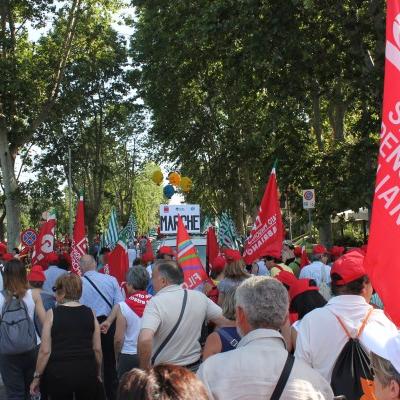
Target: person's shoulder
380, 317
307, 379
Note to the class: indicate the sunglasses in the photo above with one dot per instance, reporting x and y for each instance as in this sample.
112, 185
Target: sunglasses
55, 288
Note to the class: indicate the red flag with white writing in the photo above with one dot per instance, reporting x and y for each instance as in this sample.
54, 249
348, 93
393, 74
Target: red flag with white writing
267, 234
188, 259
383, 257
44, 243
79, 242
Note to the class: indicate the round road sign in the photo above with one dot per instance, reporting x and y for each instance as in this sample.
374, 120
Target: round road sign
28, 237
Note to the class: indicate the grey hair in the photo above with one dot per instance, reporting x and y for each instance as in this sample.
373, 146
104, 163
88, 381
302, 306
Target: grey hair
316, 257
170, 271
384, 370
138, 278
229, 304
264, 300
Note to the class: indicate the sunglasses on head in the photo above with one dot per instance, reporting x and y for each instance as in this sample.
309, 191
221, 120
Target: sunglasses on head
55, 288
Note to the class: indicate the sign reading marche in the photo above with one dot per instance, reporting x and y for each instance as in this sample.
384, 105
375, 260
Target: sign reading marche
190, 214
308, 199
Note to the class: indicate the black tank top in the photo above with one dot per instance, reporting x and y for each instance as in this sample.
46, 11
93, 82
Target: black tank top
72, 333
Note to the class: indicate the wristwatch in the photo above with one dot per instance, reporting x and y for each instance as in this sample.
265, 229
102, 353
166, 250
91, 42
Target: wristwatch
36, 375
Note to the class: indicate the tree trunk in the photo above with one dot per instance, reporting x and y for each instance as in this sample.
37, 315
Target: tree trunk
325, 232
12, 201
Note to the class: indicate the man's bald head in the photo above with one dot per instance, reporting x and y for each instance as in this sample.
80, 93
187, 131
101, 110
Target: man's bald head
87, 263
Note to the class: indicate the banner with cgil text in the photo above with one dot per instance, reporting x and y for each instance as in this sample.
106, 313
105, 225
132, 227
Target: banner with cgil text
383, 256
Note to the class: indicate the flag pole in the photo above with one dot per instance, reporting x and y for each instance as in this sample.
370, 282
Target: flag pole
70, 192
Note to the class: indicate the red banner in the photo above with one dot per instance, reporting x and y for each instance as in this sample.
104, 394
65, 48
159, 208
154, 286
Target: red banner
79, 242
383, 258
118, 262
188, 259
212, 245
267, 234
44, 243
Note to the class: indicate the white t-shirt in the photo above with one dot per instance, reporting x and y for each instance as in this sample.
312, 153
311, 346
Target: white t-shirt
320, 338
30, 305
132, 329
161, 314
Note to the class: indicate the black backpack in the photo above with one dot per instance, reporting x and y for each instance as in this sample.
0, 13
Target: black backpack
352, 375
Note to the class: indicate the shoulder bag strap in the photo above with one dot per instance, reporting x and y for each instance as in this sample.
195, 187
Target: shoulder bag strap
168, 338
282, 381
98, 291
364, 323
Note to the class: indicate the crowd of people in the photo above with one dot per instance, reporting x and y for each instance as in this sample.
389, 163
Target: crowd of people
283, 328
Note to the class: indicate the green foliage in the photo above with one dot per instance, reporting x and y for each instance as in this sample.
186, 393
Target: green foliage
232, 85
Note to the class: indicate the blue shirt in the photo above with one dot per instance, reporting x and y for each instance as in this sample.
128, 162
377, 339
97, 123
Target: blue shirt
109, 288
315, 271
51, 274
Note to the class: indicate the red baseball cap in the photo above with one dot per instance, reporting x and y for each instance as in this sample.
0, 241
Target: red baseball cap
166, 250
232, 255
8, 257
301, 286
147, 257
218, 264
286, 277
349, 267
298, 251
320, 249
52, 258
337, 251
36, 274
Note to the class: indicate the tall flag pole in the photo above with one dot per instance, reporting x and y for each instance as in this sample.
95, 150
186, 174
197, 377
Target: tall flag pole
267, 235
383, 258
79, 242
188, 259
45, 241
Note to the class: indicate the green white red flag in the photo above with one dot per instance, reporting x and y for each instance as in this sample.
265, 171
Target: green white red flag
45, 241
79, 242
188, 259
383, 257
267, 234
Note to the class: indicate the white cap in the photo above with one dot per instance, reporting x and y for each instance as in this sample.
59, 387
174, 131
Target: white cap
386, 345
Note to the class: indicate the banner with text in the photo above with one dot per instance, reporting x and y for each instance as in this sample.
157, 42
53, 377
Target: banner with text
190, 214
267, 234
383, 257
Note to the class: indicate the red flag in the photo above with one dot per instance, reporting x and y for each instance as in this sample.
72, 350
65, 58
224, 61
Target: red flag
148, 256
212, 245
79, 242
45, 241
267, 234
383, 257
188, 259
118, 262
304, 258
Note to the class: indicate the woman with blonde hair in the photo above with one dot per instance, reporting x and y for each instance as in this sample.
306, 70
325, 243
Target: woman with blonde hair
234, 274
226, 337
70, 355
17, 367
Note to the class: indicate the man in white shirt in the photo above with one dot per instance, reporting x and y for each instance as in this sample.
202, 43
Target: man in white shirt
253, 369
321, 338
317, 270
161, 316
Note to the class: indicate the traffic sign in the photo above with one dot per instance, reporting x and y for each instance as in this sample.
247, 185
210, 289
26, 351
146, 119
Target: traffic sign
28, 237
308, 199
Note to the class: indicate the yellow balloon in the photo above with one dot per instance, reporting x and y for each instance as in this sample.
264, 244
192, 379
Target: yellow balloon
174, 178
186, 184
157, 177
